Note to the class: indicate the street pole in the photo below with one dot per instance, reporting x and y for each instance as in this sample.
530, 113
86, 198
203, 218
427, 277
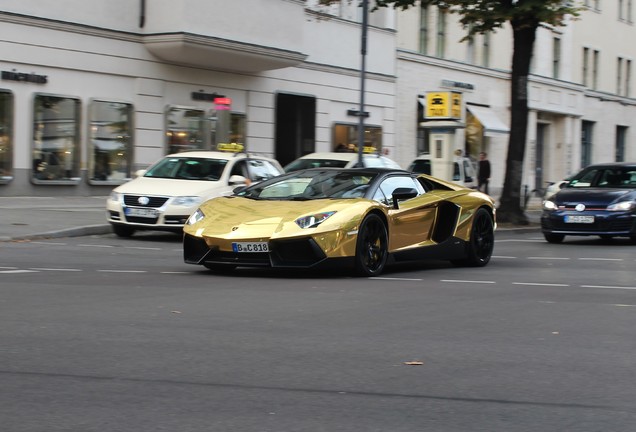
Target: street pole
363, 52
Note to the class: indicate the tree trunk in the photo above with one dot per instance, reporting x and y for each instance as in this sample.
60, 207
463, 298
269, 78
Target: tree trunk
510, 205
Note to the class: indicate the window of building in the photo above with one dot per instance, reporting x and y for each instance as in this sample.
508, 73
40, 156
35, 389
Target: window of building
6, 136
587, 130
110, 141
556, 57
621, 133
628, 80
470, 49
348, 135
619, 76
485, 50
595, 62
625, 10
56, 155
441, 33
185, 129
423, 29
586, 66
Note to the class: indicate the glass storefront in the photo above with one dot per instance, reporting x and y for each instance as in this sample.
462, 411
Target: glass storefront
6, 136
345, 138
56, 156
110, 141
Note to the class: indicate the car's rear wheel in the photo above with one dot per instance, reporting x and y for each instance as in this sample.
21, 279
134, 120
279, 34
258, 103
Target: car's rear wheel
219, 268
482, 241
553, 238
371, 247
123, 230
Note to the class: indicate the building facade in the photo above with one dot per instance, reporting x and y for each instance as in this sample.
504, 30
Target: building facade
91, 90
581, 100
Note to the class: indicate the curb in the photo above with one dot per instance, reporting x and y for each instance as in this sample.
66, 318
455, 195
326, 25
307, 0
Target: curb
70, 232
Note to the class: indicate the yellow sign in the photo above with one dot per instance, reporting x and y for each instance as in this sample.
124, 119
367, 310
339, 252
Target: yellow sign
230, 147
443, 105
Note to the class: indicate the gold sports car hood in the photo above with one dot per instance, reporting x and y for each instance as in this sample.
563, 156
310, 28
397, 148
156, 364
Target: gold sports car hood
236, 217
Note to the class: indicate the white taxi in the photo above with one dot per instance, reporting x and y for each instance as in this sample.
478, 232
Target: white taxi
163, 196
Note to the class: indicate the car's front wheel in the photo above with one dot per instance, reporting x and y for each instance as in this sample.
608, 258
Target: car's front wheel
371, 247
482, 241
123, 230
553, 238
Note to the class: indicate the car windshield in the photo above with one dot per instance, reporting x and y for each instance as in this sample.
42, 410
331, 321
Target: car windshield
187, 168
300, 164
606, 177
312, 184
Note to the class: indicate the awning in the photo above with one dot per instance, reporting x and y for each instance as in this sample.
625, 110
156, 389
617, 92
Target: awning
493, 126
108, 145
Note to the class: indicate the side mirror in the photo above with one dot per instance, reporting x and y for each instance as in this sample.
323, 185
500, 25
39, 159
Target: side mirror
140, 173
401, 194
237, 180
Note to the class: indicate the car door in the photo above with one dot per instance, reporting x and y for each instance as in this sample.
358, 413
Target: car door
411, 223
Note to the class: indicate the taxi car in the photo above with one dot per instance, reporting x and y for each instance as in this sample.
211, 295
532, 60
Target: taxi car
360, 219
598, 201
340, 160
163, 196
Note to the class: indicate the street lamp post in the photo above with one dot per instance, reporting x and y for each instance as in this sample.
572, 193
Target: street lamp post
363, 53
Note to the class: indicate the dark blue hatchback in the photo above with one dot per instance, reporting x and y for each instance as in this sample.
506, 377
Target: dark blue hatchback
600, 200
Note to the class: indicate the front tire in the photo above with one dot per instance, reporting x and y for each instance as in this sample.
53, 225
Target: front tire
553, 238
123, 231
371, 246
482, 241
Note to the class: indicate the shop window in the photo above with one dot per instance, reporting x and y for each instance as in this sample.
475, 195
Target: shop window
6, 136
56, 156
110, 146
345, 138
185, 129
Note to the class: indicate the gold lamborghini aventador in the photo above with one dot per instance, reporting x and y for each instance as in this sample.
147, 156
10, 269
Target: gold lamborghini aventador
359, 218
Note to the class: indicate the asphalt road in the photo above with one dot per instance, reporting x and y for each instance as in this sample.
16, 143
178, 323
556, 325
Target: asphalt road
106, 334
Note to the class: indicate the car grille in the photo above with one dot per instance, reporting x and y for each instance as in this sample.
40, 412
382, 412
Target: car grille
620, 225
141, 220
155, 201
296, 253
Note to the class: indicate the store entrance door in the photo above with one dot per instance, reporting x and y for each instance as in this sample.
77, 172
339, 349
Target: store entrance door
295, 127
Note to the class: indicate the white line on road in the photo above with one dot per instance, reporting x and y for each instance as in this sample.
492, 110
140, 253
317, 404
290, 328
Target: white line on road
18, 271
519, 241
467, 281
123, 271
49, 243
395, 279
601, 259
608, 287
175, 272
8, 268
503, 257
548, 258
95, 245
56, 269
142, 248
541, 284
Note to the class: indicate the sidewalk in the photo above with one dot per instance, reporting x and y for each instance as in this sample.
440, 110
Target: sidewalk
26, 218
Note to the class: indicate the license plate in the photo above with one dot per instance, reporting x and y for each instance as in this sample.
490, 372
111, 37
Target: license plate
250, 247
141, 212
579, 219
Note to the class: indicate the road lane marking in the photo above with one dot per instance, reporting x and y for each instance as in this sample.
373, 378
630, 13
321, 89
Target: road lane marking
503, 257
601, 259
519, 241
541, 284
95, 245
49, 243
56, 269
18, 271
396, 279
123, 271
142, 248
8, 268
467, 281
175, 272
608, 287
549, 258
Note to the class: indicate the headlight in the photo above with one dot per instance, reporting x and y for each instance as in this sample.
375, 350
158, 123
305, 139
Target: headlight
115, 196
186, 201
549, 205
314, 220
195, 217
621, 206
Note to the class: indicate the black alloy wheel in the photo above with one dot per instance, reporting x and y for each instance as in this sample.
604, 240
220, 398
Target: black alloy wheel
371, 247
553, 238
482, 241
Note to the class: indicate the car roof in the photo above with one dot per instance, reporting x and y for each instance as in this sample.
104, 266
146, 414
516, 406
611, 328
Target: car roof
369, 170
212, 154
612, 165
344, 156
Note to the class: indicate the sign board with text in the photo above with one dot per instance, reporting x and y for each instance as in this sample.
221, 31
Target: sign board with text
443, 105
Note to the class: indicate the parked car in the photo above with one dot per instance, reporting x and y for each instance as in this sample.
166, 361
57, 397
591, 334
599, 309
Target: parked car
163, 196
600, 200
340, 160
360, 219
463, 170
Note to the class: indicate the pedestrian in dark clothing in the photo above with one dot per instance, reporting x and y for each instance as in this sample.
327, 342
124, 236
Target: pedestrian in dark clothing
483, 177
